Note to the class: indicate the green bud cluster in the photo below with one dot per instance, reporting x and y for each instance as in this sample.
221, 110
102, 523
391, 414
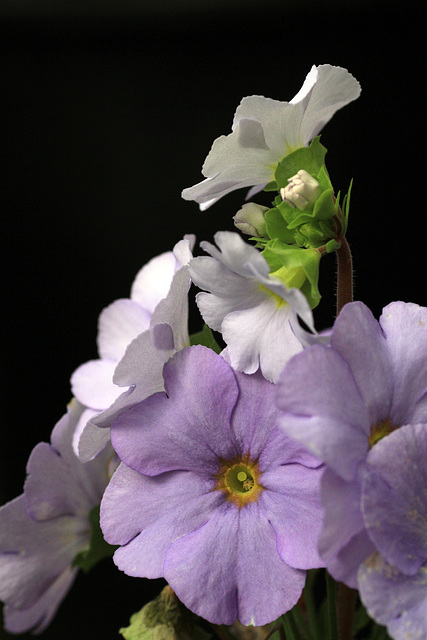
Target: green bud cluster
301, 228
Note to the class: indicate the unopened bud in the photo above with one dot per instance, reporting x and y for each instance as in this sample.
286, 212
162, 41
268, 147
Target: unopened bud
250, 219
302, 190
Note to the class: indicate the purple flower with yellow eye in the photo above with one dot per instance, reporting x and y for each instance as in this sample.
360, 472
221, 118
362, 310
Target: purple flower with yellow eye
212, 496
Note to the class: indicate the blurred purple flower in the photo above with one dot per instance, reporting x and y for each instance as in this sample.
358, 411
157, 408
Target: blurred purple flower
393, 582
43, 530
212, 496
340, 400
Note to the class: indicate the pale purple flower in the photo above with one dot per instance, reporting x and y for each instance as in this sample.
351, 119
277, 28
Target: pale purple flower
265, 131
340, 400
393, 581
212, 496
255, 312
93, 383
43, 530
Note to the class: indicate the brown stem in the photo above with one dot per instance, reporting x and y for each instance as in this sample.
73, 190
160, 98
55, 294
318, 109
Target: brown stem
346, 599
344, 275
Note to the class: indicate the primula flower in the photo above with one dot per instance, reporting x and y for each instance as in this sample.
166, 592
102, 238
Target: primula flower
43, 530
251, 309
393, 581
119, 323
265, 131
339, 401
211, 495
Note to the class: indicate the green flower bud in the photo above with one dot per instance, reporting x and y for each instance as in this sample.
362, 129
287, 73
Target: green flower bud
250, 219
302, 190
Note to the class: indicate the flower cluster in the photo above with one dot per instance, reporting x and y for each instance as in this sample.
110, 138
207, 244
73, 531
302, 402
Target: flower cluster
233, 471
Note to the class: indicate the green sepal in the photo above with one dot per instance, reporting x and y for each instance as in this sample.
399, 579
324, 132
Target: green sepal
295, 264
271, 186
332, 246
324, 209
206, 338
310, 158
165, 618
277, 226
259, 242
313, 235
346, 209
98, 547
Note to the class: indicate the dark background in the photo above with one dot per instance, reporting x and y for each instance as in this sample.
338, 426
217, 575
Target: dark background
108, 111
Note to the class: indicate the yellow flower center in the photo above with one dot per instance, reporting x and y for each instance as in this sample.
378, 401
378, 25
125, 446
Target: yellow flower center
240, 481
381, 429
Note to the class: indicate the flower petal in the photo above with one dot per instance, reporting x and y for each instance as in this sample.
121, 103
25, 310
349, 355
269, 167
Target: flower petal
322, 408
145, 515
370, 364
152, 282
394, 599
325, 90
344, 543
92, 384
292, 500
187, 429
394, 497
405, 328
34, 554
119, 324
39, 615
249, 581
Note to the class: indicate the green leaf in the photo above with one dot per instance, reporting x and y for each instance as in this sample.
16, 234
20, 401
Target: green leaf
206, 338
295, 264
98, 547
310, 158
165, 618
277, 227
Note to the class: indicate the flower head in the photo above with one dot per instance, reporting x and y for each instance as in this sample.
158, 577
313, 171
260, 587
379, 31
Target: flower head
45, 528
252, 310
265, 131
339, 401
211, 495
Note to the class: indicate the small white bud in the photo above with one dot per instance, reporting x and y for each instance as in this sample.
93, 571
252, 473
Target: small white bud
250, 219
301, 191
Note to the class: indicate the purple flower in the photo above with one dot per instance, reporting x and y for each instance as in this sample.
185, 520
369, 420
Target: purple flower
212, 495
393, 582
340, 400
43, 530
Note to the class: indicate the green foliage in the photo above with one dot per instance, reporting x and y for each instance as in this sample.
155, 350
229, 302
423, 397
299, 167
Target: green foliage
206, 338
311, 158
98, 548
295, 267
165, 618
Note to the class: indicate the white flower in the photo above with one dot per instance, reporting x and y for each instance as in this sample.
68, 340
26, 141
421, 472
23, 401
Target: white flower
265, 131
119, 324
253, 310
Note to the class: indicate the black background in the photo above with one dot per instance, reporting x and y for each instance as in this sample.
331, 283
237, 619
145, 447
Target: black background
108, 111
